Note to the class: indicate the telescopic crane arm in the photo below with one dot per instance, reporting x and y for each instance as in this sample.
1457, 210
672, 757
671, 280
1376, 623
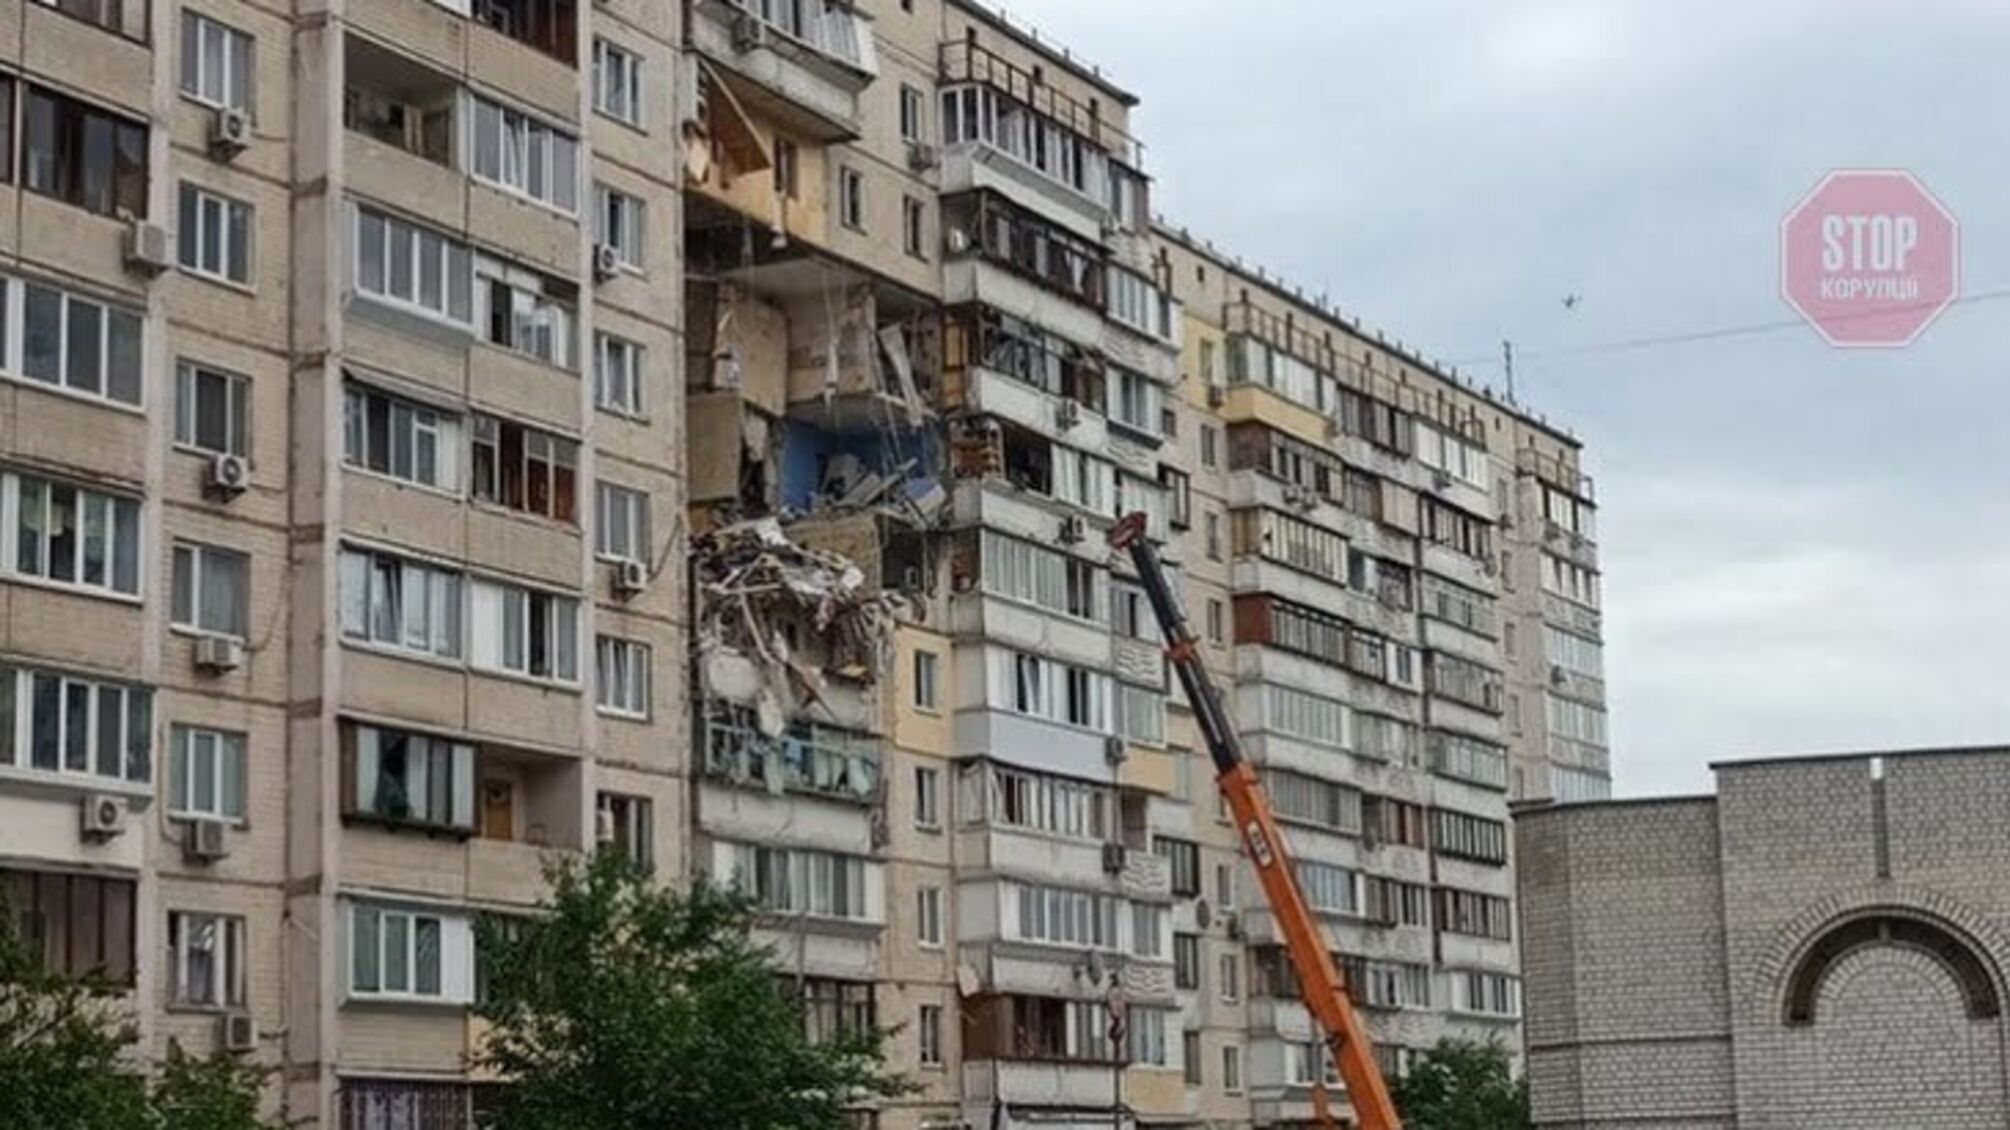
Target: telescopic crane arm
1319, 979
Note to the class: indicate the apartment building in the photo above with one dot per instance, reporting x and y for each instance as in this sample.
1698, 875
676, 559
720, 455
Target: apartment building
342, 490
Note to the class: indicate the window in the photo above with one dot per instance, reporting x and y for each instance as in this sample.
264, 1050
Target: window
211, 409
212, 589
1062, 917
408, 954
1213, 536
914, 227
214, 235
1134, 401
1183, 859
621, 682
74, 152
1020, 570
1474, 838
1190, 1056
72, 343
927, 798
617, 376
1462, 680
1572, 652
1040, 803
1231, 1070
1210, 440
617, 82
928, 916
1231, 978
205, 774
617, 223
57, 723
1331, 889
118, 16
393, 602
525, 311
404, 439
913, 114
1145, 1036
81, 924
206, 960
1310, 800
1179, 494
1487, 994
413, 268
819, 884
926, 674
1137, 303
1148, 925
401, 1104
1467, 759
1578, 721
851, 198
1217, 632
1567, 784
1393, 902
787, 168
631, 823
70, 535
525, 469
1473, 914
1140, 714
928, 1033
523, 631
215, 62
1186, 961
622, 532
1224, 884
398, 777
1058, 692
521, 154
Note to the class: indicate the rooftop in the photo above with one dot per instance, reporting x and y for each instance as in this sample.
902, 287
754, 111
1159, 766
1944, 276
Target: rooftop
1028, 36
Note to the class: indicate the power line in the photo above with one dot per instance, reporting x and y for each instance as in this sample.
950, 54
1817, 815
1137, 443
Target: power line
1719, 333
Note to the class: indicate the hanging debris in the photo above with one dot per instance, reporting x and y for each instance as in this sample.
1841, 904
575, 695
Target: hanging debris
775, 617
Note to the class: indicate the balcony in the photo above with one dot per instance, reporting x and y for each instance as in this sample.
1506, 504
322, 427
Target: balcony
1569, 545
800, 66
1557, 472
1041, 1083
996, 363
805, 758
1572, 615
1015, 239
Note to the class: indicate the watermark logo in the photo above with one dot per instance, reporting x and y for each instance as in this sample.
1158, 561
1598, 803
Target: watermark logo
1870, 258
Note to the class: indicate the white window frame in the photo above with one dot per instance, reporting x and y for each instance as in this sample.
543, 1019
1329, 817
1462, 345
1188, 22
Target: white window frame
122, 518
200, 558
223, 937
928, 1034
621, 523
913, 114
1231, 1069
212, 207
928, 917
927, 681
452, 975
537, 324
443, 604
100, 389
928, 798
227, 752
428, 427
607, 58
914, 227
235, 70
851, 198
423, 753
522, 141
632, 818
188, 408
132, 746
618, 368
496, 610
620, 221
456, 267
621, 677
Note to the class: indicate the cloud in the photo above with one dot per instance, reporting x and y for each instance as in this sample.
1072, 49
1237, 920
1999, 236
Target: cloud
1805, 549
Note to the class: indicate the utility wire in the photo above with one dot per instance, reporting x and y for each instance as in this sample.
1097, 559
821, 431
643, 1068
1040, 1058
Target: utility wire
1752, 329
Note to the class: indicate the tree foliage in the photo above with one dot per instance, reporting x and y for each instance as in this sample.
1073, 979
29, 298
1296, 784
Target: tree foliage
68, 1058
1462, 1085
631, 1006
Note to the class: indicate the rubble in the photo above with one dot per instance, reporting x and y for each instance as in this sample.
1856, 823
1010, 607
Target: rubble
751, 581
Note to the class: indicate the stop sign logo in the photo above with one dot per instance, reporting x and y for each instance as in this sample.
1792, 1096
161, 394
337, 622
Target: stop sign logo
1869, 258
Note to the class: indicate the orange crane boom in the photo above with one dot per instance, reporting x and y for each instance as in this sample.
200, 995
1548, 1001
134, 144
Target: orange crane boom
1319, 979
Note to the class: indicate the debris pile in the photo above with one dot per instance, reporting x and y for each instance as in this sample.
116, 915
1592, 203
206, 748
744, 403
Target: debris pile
775, 616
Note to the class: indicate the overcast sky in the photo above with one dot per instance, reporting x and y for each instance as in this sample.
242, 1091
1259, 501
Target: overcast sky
1805, 549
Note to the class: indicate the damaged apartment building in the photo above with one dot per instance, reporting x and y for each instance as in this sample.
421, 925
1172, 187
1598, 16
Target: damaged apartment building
935, 346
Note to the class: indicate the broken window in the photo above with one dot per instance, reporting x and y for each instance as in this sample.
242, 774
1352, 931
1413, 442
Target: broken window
525, 469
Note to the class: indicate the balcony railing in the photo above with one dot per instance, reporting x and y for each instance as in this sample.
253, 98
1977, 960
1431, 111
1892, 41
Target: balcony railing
1556, 472
832, 30
966, 61
804, 758
980, 336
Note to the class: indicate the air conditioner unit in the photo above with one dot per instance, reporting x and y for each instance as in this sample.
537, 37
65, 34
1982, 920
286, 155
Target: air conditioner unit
1441, 480
1203, 914
603, 826
146, 247
1067, 414
1332, 428
1114, 750
922, 156
219, 653
229, 475
203, 841
105, 815
748, 32
229, 133
1216, 396
630, 578
1073, 531
1113, 858
1488, 566
240, 1032
606, 261
957, 240
1556, 675
1232, 923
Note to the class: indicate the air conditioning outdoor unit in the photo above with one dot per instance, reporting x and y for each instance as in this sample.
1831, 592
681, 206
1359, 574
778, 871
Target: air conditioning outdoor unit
1073, 531
229, 475
921, 156
606, 261
1114, 750
1203, 914
630, 578
1441, 480
1067, 414
1113, 858
957, 240
748, 32
229, 133
1216, 396
240, 1032
203, 841
105, 815
219, 653
146, 247
1556, 675
1232, 922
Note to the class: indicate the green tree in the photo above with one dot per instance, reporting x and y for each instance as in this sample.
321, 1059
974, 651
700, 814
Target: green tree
67, 1058
631, 1006
1462, 1085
